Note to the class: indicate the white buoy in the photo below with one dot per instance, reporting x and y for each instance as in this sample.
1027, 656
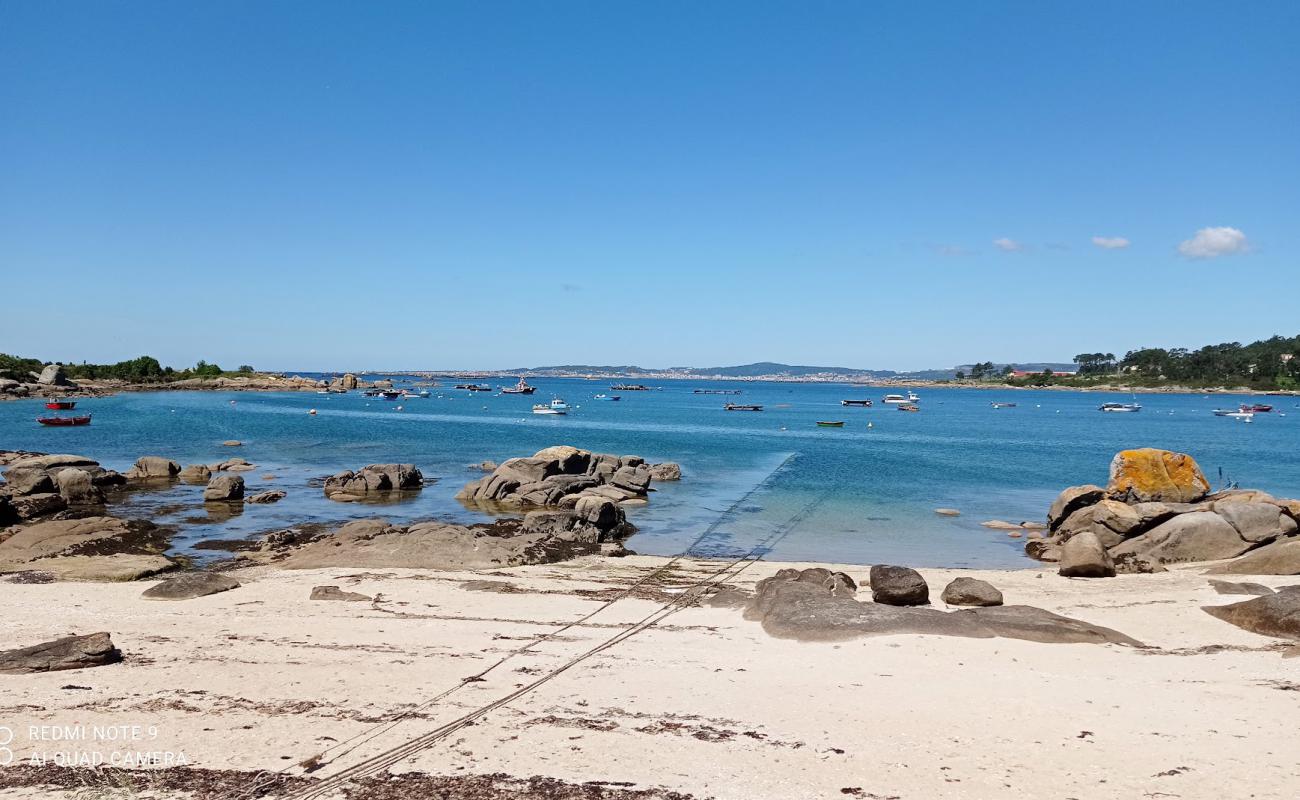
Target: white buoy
312, 412
399, 408
871, 425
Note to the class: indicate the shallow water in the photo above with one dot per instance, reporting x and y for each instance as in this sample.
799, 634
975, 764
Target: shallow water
852, 494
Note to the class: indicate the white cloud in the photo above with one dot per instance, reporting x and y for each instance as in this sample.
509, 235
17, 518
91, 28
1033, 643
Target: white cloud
1008, 245
1110, 242
1214, 242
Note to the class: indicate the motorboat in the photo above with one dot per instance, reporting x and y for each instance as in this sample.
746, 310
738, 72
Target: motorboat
629, 387
474, 387
390, 395
558, 404
894, 399
736, 407
909, 407
1119, 407
64, 422
1255, 407
555, 408
519, 388
1240, 414
61, 405
834, 424
862, 403
611, 398
1002, 405
913, 397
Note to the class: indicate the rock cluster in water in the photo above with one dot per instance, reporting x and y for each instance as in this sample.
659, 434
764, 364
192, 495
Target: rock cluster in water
36, 485
373, 482
1157, 509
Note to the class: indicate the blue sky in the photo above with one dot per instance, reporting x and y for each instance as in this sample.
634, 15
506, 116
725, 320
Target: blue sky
452, 185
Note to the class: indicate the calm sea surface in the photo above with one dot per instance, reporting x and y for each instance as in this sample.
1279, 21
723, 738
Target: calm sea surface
858, 494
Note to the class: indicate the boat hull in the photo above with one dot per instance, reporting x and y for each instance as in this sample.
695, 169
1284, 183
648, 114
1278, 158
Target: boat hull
64, 422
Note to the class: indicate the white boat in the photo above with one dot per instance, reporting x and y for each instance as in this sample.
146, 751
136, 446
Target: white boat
556, 406
1223, 412
1120, 407
895, 399
913, 397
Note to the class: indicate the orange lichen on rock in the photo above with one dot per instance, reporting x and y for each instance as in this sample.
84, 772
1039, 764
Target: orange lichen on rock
1151, 475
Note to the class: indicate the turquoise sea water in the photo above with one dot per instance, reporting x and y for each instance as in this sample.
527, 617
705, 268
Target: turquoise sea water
856, 494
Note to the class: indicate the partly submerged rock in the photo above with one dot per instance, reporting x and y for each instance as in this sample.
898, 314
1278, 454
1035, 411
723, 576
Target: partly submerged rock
153, 468
372, 482
262, 498
70, 652
224, 487
971, 592
189, 585
198, 474
1151, 475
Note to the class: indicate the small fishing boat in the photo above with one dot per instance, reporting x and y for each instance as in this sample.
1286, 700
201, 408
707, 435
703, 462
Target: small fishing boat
1002, 405
862, 403
835, 424
1258, 408
387, 395
63, 422
474, 387
735, 407
554, 408
1243, 413
558, 404
1119, 407
61, 405
716, 391
894, 399
611, 398
909, 407
629, 387
519, 388
913, 397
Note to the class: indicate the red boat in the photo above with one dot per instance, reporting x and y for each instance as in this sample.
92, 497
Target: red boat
61, 405
64, 421
1258, 408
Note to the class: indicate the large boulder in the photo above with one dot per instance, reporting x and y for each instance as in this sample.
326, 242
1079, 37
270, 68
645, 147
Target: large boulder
667, 471
1151, 475
348, 381
1070, 501
77, 488
28, 480
153, 468
224, 487
189, 585
898, 586
70, 652
561, 477
1083, 556
53, 375
1272, 615
1256, 521
197, 474
91, 549
971, 592
1196, 536
1279, 558
264, 498
373, 482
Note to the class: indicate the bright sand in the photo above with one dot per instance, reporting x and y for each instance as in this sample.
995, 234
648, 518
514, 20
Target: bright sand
707, 703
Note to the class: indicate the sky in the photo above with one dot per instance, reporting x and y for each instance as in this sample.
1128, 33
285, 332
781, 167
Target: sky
455, 185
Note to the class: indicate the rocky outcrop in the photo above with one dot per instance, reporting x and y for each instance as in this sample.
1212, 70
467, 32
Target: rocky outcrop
1156, 510
898, 586
790, 606
539, 538
53, 375
39, 485
373, 482
1279, 558
1150, 475
566, 477
151, 468
1083, 556
70, 652
971, 592
90, 549
667, 471
76, 487
224, 487
189, 585
1272, 615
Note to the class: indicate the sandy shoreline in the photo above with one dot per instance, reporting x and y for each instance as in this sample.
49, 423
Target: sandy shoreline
705, 703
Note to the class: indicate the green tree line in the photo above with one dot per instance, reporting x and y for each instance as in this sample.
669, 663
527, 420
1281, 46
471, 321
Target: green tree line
145, 369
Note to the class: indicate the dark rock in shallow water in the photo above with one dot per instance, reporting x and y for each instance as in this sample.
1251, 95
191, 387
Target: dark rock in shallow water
72, 652
190, 585
971, 592
335, 593
1274, 615
262, 498
372, 482
154, 468
224, 487
898, 586
792, 608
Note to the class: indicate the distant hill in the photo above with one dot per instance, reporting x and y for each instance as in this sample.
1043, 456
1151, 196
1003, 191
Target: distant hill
772, 368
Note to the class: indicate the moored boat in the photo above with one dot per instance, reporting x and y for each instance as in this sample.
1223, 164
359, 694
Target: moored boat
519, 388
1258, 408
61, 405
611, 398
629, 387
1242, 413
1002, 405
554, 408
830, 424
909, 407
862, 403
735, 407
1119, 407
63, 422
894, 399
